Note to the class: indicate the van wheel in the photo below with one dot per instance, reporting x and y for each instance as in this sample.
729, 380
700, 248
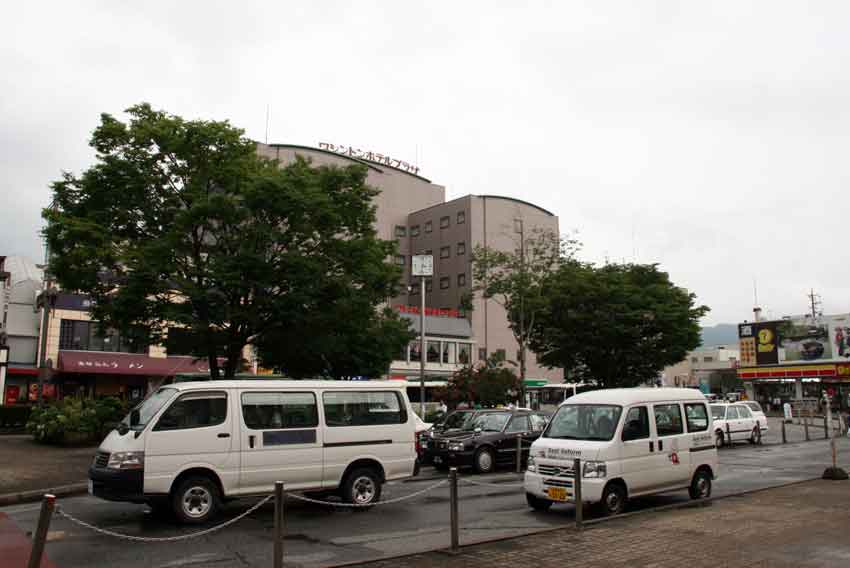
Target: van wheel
756, 436
700, 485
537, 503
362, 487
484, 461
196, 500
718, 440
613, 499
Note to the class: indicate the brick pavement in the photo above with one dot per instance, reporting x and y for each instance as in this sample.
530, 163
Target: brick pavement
800, 525
26, 465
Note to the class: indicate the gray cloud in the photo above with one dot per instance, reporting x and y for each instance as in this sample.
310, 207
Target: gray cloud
707, 137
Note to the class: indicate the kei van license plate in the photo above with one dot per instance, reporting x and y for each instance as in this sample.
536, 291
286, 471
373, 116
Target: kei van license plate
91, 487
557, 493
438, 459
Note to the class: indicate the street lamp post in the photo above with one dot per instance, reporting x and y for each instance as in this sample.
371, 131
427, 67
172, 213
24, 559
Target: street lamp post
518, 225
423, 266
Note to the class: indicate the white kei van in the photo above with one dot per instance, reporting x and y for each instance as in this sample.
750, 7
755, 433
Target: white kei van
190, 446
630, 442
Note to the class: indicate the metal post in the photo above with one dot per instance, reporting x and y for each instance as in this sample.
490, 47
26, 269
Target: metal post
728, 435
758, 429
423, 354
805, 420
784, 439
519, 454
453, 504
278, 524
48, 503
577, 492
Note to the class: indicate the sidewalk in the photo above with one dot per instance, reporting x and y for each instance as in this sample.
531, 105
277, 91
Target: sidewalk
799, 525
27, 466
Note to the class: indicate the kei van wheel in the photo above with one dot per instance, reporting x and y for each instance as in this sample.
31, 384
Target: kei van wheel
362, 487
613, 500
484, 461
196, 500
700, 485
538, 503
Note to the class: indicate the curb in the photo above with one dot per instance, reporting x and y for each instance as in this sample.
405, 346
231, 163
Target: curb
36, 494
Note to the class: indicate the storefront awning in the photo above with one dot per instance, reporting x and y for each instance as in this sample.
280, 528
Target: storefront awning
91, 362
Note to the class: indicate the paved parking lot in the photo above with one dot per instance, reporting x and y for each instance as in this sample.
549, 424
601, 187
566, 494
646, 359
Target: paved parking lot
324, 536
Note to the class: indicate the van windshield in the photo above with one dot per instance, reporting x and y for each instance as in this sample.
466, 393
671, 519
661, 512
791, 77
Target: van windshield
584, 422
147, 409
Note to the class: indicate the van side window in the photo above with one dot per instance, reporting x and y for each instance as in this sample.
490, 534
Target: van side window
363, 408
279, 410
697, 417
636, 426
194, 410
668, 419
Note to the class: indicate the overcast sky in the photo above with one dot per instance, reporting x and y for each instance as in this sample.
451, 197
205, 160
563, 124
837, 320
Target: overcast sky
709, 137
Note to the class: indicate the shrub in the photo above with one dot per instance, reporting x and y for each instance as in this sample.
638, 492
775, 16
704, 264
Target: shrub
74, 419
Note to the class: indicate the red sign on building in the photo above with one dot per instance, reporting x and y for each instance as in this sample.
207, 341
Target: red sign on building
436, 312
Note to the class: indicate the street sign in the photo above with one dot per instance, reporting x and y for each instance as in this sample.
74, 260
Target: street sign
423, 265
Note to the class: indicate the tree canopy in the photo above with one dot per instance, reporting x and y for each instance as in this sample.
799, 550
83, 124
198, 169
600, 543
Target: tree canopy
490, 383
618, 325
181, 224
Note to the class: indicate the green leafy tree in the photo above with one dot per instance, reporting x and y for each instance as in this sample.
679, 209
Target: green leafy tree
181, 224
618, 325
490, 384
515, 280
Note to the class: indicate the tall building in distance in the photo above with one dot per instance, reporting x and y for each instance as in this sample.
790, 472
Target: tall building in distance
413, 211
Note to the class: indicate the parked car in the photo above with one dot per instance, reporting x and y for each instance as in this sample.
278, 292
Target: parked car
486, 439
630, 442
452, 421
759, 414
742, 425
190, 446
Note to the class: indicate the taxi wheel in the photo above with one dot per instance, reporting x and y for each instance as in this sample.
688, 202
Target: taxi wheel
537, 503
484, 461
613, 499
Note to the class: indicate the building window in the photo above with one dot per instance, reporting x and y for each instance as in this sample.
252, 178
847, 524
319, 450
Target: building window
433, 352
461, 248
400, 231
414, 231
444, 222
444, 283
461, 280
445, 252
414, 289
415, 352
429, 226
463, 352
707, 359
428, 252
694, 360
429, 285
81, 335
449, 352
399, 259
501, 355
461, 217
482, 353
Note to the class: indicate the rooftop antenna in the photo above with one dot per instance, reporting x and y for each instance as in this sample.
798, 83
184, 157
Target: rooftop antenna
756, 308
268, 111
816, 304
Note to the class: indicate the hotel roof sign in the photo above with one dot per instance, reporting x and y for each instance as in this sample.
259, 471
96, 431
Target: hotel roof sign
369, 156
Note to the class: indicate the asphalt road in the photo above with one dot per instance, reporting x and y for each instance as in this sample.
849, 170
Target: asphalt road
322, 536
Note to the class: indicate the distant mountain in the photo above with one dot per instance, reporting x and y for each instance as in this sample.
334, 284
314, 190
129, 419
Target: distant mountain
720, 334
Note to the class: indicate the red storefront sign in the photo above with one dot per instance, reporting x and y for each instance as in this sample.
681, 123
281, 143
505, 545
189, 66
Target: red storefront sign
13, 392
436, 312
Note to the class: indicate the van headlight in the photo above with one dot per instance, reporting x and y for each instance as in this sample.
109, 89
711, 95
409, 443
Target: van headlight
594, 469
531, 465
126, 460
456, 447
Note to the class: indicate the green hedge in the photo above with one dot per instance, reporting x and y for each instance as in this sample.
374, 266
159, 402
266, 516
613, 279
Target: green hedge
14, 417
75, 420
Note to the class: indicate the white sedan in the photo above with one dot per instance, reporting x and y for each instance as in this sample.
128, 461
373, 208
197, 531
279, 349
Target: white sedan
759, 414
734, 423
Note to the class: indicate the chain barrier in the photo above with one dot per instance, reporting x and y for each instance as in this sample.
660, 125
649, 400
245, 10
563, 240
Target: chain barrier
107, 532
496, 485
355, 505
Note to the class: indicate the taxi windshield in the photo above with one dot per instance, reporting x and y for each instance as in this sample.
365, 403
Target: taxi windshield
584, 422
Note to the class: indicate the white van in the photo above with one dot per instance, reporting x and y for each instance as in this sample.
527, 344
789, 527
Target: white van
189, 446
630, 442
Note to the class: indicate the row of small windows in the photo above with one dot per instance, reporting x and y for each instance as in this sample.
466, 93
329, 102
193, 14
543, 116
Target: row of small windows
401, 230
445, 284
445, 252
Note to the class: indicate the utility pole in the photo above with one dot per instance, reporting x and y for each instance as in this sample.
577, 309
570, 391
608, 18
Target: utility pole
519, 223
815, 303
422, 266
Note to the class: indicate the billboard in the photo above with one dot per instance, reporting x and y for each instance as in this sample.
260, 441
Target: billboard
825, 339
